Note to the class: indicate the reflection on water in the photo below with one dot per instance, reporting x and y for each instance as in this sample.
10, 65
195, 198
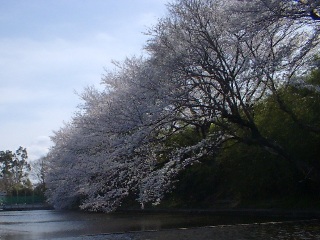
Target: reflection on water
283, 231
76, 225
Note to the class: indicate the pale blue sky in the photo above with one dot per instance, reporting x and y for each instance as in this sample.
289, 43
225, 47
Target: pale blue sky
50, 49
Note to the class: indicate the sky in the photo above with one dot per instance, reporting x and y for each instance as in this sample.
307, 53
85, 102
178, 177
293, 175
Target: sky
51, 50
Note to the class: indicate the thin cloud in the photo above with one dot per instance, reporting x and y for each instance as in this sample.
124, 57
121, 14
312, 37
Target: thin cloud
38, 148
50, 50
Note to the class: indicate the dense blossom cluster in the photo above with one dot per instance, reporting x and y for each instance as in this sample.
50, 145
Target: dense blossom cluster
204, 70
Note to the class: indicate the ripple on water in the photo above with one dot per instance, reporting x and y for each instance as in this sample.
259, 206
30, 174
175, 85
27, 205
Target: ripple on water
76, 226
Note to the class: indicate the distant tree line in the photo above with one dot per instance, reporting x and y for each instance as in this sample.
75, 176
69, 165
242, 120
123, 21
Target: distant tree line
15, 173
228, 94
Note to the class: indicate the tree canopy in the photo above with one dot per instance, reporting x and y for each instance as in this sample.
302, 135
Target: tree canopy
14, 170
207, 75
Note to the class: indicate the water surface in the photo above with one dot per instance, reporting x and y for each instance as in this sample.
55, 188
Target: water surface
51, 224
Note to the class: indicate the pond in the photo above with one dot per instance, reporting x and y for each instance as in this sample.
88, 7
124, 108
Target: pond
51, 224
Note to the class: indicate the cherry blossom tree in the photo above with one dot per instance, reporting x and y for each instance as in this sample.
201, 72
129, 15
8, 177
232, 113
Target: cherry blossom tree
204, 71
100, 157
270, 11
225, 67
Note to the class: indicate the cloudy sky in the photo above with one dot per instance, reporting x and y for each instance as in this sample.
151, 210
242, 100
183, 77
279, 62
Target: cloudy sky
51, 49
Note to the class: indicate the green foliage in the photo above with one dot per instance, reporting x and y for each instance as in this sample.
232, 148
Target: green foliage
196, 186
251, 174
314, 77
183, 138
14, 170
293, 135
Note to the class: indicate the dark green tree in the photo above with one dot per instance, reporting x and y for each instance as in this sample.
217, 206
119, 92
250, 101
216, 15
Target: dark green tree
250, 172
14, 170
5, 170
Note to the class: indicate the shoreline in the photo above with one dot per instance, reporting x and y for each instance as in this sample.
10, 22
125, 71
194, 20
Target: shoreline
200, 233
254, 212
258, 212
26, 207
